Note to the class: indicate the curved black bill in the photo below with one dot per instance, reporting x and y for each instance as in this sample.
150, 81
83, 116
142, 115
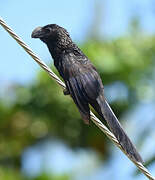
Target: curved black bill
38, 33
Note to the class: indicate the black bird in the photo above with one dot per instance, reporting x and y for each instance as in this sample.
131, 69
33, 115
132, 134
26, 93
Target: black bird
82, 81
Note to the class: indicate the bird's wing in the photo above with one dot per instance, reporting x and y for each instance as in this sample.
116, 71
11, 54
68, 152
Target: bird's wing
83, 86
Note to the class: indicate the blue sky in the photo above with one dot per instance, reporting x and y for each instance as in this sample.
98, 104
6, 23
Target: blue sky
76, 16
23, 17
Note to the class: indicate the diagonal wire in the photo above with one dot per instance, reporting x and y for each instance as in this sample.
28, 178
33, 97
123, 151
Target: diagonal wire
98, 123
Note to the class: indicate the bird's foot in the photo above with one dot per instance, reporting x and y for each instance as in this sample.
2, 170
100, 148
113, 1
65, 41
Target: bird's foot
66, 92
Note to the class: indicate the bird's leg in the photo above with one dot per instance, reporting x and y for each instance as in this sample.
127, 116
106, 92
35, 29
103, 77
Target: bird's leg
66, 92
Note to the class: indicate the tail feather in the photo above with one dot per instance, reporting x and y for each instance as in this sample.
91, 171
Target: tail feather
106, 112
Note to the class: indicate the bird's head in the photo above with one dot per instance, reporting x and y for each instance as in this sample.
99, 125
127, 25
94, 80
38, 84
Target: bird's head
52, 34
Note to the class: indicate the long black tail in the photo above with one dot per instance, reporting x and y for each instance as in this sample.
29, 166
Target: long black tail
103, 108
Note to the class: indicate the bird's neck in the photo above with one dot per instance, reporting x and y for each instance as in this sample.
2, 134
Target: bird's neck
54, 50
57, 50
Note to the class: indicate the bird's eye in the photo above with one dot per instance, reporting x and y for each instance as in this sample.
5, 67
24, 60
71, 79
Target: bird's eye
47, 29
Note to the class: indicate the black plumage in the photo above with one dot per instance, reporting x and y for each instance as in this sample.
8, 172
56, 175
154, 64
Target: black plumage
82, 81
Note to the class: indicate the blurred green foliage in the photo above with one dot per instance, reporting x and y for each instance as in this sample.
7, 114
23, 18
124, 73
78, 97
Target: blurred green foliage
40, 110
14, 174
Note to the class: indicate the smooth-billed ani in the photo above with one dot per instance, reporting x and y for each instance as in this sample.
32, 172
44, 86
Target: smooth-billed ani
82, 81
